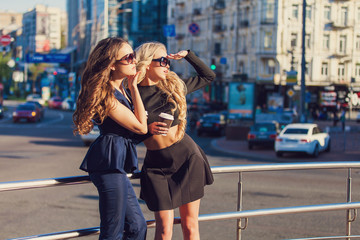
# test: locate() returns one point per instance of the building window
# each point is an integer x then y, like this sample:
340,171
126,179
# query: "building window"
307,40
341,70
268,10
293,40
268,40
326,41
342,44
253,40
324,69
217,49
357,43
253,70
270,66
357,70
327,13
295,11
308,12
344,15
358,14
307,70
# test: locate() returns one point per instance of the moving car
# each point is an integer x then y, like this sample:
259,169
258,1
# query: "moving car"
35,98
55,102
27,111
91,136
68,104
302,137
211,123
1,111
263,134
41,107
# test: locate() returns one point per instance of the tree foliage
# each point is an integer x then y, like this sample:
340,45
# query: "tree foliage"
5,70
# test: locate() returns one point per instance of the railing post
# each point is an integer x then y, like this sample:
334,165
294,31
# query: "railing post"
239,207
348,211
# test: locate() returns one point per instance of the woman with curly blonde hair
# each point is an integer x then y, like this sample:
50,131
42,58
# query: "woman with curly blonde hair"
120,115
175,168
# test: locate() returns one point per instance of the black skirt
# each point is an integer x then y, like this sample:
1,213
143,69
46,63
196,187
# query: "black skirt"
175,175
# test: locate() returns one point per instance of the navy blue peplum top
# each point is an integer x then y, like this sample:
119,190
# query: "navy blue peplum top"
114,149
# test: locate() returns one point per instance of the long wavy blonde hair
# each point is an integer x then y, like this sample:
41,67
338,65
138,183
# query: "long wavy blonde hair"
173,86
96,94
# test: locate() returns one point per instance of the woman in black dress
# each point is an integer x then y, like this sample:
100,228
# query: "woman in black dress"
120,114
175,168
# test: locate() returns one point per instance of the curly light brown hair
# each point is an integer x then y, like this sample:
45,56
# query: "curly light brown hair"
173,86
96,93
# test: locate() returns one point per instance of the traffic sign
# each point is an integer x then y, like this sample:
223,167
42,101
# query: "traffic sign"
5,40
290,93
169,30
48,58
194,28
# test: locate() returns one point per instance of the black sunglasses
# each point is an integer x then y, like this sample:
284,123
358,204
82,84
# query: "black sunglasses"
163,61
129,58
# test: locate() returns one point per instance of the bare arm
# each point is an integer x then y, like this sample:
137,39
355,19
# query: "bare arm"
137,121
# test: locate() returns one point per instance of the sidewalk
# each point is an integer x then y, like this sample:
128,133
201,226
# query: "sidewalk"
344,147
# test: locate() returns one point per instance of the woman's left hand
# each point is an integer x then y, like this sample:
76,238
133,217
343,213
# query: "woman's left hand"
179,55
133,80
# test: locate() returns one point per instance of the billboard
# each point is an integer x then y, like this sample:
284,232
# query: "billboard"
241,100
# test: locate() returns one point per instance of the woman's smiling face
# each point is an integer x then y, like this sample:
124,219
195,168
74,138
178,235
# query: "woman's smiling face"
156,72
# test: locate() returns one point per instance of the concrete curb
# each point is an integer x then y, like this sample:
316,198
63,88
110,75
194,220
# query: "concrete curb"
215,146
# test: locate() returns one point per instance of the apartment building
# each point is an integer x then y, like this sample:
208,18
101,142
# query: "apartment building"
260,41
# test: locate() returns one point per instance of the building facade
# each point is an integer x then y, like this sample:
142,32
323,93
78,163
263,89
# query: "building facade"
41,29
260,41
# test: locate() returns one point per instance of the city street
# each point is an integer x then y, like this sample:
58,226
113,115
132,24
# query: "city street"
49,149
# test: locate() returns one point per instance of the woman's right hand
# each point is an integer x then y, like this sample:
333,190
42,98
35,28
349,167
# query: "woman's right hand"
157,128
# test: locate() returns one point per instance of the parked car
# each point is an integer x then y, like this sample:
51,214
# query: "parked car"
27,111
35,98
1,111
91,136
302,137
211,123
55,102
41,107
68,104
263,134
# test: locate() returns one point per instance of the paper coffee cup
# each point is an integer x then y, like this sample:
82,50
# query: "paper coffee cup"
166,118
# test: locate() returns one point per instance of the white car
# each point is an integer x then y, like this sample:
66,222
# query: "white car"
35,98
302,137
91,136
68,104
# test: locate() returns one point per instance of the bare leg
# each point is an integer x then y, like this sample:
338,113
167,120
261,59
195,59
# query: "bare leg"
189,214
164,224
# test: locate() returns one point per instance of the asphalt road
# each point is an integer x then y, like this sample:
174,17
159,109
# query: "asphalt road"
49,149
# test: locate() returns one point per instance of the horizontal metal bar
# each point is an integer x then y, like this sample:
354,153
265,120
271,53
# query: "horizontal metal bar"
324,238
285,166
49,182
209,217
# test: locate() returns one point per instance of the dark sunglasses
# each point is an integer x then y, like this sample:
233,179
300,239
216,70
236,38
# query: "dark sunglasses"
163,61
129,58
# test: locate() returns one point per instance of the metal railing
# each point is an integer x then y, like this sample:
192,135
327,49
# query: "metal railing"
241,215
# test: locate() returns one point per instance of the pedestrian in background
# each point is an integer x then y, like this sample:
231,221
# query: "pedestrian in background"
343,119
120,114
175,168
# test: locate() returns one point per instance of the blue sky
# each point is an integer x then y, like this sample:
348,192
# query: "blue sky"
23,5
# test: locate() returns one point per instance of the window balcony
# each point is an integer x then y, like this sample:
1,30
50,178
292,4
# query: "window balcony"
339,55
219,5
197,11
180,3
180,36
338,26
267,21
219,28
244,23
